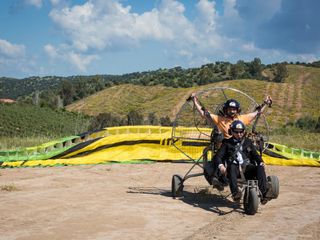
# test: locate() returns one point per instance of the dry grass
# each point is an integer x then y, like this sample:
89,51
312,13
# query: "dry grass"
9,188
7,143
297,138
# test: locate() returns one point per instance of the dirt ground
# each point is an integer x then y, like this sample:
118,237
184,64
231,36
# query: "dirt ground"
133,201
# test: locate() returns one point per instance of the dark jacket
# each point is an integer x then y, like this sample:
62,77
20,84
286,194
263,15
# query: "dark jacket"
227,152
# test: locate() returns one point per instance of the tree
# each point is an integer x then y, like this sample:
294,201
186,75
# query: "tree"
104,120
80,89
48,99
205,76
67,92
255,68
165,121
237,70
152,119
134,118
281,72
185,82
97,83
317,127
224,67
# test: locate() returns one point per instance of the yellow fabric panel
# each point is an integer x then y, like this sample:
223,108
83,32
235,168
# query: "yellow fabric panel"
122,134
113,139
140,152
158,148
290,162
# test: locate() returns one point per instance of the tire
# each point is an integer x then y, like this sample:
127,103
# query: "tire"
251,202
275,186
176,186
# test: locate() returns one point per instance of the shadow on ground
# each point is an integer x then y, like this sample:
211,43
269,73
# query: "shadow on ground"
202,198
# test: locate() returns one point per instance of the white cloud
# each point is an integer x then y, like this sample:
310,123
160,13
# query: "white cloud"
13,59
11,50
103,25
65,53
81,61
248,47
36,3
108,25
51,51
98,26
207,15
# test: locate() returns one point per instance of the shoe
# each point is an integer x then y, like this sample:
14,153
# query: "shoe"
268,193
237,196
264,200
224,180
267,196
217,184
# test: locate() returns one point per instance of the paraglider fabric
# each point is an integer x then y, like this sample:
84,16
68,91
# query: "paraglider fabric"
135,144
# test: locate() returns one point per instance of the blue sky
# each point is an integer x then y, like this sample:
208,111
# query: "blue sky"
86,37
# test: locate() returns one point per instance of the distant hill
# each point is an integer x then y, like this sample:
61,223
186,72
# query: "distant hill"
296,97
70,89
15,88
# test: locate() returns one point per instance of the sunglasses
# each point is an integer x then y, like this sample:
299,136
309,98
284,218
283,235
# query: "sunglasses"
237,132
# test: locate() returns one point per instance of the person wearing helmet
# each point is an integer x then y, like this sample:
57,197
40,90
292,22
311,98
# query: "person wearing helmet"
238,154
231,111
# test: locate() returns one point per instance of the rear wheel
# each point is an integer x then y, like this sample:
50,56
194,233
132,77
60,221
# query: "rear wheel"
176,186
275,186
250,201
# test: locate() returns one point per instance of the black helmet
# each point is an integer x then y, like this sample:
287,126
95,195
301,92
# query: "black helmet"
231,103
237,126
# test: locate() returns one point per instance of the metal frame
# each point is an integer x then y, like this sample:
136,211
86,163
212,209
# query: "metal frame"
196,162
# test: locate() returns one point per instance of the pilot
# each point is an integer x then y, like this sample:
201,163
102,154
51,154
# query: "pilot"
231,111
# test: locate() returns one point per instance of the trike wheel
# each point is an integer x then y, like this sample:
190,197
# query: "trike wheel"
275,186
250,201
176,186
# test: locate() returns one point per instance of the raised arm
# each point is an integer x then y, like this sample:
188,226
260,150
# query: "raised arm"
197,104
260,109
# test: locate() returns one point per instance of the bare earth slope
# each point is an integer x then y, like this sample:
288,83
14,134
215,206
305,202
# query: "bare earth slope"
132,201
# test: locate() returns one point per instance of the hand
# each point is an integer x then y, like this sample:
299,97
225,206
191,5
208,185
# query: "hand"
268,101
192,97
223,169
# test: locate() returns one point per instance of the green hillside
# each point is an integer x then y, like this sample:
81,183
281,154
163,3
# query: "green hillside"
23,120
297,97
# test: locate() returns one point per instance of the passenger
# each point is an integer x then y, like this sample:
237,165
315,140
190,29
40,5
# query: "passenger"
231,111
239,154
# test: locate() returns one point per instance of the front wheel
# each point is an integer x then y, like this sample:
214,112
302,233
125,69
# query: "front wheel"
176,186
250,201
